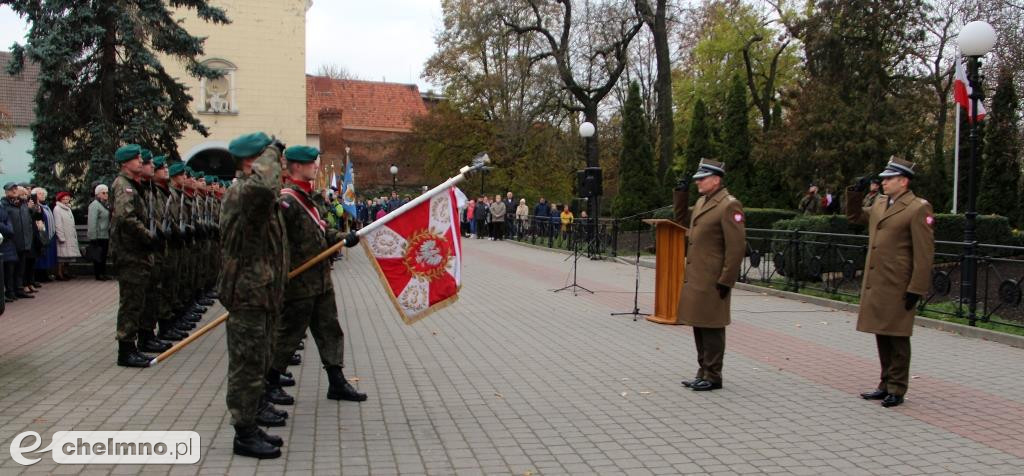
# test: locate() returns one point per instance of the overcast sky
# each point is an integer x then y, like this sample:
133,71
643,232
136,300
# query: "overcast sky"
379,40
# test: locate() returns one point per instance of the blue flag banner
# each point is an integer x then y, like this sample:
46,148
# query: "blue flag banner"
348,191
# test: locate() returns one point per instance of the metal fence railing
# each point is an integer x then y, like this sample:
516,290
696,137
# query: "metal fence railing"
829,263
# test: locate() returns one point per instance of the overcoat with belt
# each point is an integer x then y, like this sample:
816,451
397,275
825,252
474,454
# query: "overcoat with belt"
901,250
717,244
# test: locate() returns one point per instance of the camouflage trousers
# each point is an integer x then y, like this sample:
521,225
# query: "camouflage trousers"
250,343
158,294
319,314
133,277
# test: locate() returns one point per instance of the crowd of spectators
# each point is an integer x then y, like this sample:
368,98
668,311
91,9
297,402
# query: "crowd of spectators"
38,238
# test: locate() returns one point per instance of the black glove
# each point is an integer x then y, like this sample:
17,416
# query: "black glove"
910,300
683,185
723,290
280,145
351,239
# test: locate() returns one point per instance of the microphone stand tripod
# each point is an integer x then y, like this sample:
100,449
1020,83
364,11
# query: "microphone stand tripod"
636,282
575,266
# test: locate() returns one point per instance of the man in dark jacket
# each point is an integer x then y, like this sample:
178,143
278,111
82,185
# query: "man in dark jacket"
540,216
22,236
8,254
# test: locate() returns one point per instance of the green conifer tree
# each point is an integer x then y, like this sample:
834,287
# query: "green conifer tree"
999,189
101,83
637,173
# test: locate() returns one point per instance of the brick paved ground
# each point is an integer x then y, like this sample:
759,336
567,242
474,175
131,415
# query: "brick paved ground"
515,379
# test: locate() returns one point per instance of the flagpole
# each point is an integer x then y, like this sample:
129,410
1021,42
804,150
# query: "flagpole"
478,163
956,159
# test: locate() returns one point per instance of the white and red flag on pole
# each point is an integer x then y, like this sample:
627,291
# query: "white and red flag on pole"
418,255
962,91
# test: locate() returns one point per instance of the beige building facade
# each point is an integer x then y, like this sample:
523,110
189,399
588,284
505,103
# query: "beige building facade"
263,55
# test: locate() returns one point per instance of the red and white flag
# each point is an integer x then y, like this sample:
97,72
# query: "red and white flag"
418,255
962,92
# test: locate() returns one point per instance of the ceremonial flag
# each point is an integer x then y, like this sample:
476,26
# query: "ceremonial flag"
348,191
418,255
962,92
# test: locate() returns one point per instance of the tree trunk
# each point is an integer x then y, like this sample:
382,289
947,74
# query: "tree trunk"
663,87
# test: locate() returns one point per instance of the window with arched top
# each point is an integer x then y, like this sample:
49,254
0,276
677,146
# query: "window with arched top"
217,96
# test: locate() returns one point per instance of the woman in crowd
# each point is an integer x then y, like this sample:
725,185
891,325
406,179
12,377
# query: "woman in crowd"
67,235
99,232
566,219
522,217
47,260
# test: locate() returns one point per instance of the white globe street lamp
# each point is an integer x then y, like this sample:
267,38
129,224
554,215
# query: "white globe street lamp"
587,130
976,38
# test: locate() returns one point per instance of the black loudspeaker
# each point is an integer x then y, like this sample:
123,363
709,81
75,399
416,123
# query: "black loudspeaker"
588,182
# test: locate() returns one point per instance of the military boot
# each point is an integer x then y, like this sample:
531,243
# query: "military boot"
339,388
272,439
286,381
128,355
149,342
249,442
295,360
266,415
168,332
199,309
205,301
276,394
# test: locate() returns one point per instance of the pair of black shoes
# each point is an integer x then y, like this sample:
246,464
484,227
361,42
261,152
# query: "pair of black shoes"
128,355
252,441
888,399
149,343
701,385
268,415
274,393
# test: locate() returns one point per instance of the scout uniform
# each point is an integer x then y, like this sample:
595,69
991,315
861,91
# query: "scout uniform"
717,242
897,273
130,243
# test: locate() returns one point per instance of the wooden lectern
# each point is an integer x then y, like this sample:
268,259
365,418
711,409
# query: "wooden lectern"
670,267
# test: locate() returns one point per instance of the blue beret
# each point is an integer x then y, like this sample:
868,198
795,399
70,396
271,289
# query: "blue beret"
210,179
127,152
249,145
303,154
176,168
198,174
147,156
159,161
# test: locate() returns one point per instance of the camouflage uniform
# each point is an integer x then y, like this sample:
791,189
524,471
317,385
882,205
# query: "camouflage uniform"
252,280
155,309
130,244
309,297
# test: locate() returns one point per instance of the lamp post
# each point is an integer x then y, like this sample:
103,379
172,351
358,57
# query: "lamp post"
976,39
394,177
592,173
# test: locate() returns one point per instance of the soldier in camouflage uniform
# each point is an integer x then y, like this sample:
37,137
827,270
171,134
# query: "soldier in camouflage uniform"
178,242
253,274
130,244
164,262
309,297
147,330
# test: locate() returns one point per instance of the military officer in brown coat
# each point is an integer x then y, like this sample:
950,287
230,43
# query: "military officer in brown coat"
897,273
717,241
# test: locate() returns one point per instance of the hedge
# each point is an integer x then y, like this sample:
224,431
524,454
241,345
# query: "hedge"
991,229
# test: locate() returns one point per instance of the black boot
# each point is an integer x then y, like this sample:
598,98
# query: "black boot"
267,415
339,388
149,343
295,360
198,309
168,332
302,345
129,356
249,442
205,302
286,381
272,439
287,373
276,394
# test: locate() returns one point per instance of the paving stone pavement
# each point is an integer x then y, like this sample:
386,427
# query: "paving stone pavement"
516,379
